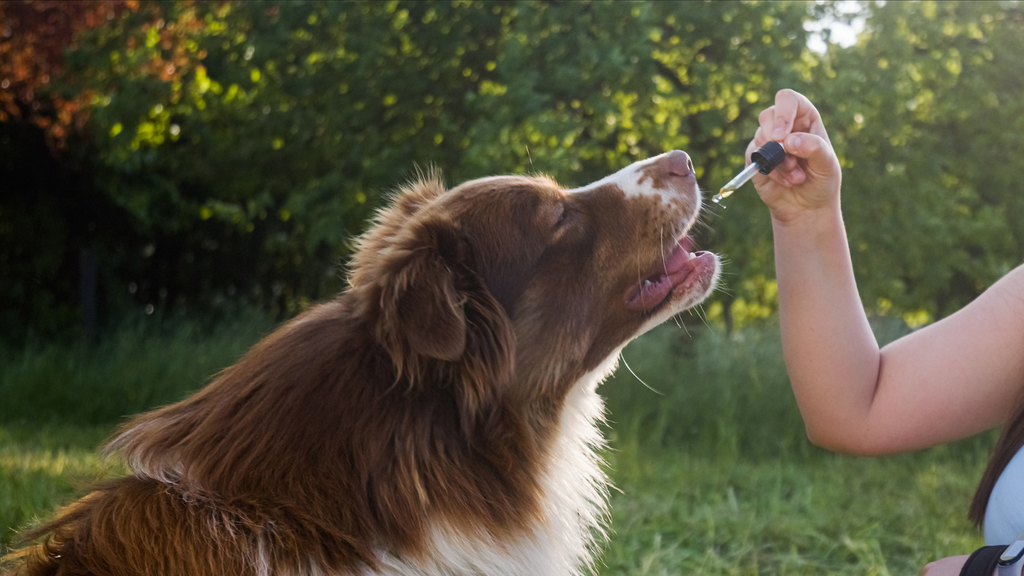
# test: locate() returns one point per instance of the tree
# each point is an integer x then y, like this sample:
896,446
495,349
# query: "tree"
39,112
32,67
240,147
233,150
926,114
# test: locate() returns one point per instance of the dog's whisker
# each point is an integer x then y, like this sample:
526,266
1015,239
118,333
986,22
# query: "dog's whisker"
702,314
646,385
681,324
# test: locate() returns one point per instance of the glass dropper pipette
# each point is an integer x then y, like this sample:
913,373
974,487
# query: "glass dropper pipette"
763,160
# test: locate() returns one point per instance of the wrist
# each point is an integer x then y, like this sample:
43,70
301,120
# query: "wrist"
809,222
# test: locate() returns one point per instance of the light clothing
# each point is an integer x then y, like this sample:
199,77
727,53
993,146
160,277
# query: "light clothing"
1004,514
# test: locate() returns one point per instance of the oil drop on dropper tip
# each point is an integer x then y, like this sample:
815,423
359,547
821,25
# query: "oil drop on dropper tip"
763,160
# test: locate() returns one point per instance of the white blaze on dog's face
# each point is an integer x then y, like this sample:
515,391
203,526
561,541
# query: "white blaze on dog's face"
578,272
684,278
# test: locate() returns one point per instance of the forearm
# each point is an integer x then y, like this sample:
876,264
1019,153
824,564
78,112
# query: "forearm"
953,378
831,354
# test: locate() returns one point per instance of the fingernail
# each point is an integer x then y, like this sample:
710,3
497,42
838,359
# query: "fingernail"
779,133
794,141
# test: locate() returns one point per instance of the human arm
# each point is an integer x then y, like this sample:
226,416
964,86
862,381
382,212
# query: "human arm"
956,377
949,566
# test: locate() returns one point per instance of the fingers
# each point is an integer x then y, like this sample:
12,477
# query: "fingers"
766,124
789,173
781,123
810,175
807,156
807,146
786,110
796,123
792,112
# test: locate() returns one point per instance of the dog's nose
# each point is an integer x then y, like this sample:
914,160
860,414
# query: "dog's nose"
677,163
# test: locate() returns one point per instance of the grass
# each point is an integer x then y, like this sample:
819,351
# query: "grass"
43,468
676,513
712,471
715,474
147,363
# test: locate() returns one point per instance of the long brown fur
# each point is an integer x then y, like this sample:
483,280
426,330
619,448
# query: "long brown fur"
425,395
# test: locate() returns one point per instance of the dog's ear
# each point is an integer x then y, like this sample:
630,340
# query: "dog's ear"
436,309
428,304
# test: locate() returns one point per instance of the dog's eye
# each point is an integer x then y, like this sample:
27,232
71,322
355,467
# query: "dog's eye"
567,215
562,217
566,222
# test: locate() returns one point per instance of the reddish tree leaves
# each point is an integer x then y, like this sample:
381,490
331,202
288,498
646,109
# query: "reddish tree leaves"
34,35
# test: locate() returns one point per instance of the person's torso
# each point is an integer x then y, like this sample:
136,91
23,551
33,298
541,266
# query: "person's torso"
1004,515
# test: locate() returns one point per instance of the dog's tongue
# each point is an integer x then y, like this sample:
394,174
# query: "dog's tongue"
679,256
654,289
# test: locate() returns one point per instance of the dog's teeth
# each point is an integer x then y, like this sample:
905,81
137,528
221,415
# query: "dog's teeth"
647,282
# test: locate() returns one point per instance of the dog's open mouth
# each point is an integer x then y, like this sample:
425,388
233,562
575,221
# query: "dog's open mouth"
680,270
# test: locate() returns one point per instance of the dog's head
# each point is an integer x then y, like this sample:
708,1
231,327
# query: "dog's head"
521,286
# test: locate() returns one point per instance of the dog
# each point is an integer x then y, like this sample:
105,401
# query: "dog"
440,416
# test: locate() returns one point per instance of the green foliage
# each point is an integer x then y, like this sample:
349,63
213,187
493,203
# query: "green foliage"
926,113
235,149
245,172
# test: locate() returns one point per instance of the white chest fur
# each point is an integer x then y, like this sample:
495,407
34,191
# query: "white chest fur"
574,506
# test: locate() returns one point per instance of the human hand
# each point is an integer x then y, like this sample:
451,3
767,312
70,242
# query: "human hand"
809,178
950,566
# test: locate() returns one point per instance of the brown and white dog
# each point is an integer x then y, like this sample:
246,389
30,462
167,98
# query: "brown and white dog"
438,417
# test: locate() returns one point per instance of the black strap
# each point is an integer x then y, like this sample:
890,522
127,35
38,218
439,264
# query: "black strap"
983,561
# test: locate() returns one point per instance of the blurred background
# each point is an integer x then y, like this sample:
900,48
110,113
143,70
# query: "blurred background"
176,178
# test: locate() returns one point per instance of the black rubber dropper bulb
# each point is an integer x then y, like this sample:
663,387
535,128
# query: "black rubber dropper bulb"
763,160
